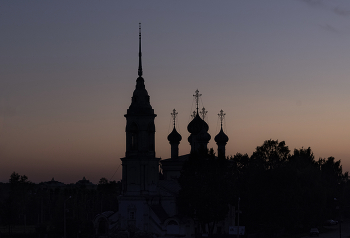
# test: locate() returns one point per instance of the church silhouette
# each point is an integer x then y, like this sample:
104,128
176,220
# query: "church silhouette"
148,202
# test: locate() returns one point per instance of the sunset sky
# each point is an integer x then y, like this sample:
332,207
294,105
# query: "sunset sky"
279,69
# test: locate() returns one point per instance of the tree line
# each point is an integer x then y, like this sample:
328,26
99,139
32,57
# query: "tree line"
279,191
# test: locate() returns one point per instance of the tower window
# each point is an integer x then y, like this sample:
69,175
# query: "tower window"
134,141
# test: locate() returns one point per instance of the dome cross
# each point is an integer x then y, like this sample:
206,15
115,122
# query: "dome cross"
197,95
174,115
203,113
193,114
221,116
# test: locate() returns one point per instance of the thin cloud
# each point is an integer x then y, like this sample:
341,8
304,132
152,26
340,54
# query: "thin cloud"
341,12
321,4
313,3
329,7
329,28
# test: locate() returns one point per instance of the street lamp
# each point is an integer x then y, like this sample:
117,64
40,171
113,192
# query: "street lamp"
64,217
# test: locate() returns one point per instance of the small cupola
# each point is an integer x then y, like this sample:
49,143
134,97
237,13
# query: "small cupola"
221,138
174,138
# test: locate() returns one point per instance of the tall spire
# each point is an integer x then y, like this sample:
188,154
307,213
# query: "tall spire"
140,54
140,103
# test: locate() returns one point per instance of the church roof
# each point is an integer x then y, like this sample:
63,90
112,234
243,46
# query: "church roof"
169,186
180,158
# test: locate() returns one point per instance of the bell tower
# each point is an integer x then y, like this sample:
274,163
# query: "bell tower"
140,166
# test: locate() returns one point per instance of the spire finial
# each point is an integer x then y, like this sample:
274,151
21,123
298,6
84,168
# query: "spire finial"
203,113
140,54
193,114
173,115
221,116
197,95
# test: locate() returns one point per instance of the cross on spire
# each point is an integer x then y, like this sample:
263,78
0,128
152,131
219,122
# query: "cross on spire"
197,95
173,115
140,54
203,113
221,116
193,114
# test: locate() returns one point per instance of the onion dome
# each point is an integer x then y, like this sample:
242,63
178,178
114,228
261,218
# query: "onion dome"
221,138
196,125
174,137
203,136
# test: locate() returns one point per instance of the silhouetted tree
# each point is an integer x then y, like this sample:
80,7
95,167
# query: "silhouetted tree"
271,154
306,191
263,185
334,184
102,181
16,205
108,194
280,191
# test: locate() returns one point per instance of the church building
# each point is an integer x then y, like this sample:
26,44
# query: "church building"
148,201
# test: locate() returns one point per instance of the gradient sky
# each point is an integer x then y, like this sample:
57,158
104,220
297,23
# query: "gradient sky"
279,70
